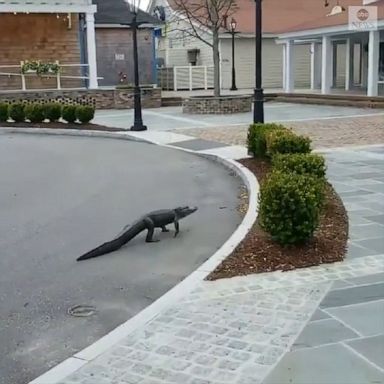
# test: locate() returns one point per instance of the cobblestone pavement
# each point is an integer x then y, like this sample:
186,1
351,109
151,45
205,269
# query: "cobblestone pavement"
325,133
282,327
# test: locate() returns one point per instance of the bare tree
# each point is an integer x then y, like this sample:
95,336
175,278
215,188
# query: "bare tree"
206,16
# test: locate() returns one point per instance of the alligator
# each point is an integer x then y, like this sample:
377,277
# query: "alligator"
150,221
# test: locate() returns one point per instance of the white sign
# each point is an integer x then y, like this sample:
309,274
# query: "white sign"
362,18
119,56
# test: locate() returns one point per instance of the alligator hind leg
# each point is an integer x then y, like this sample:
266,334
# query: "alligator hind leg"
151,230
164,229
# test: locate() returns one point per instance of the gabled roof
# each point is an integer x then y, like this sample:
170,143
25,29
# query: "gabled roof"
280,16
117,12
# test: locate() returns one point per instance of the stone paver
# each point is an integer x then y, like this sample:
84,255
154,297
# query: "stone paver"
326,133
266,328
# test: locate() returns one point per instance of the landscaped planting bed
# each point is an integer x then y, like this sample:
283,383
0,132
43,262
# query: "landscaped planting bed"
302,221
51,115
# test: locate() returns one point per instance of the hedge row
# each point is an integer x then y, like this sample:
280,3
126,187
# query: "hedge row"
53,112
292,196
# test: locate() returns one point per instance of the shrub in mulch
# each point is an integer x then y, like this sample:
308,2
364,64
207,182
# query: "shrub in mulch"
16,112
300,163
4,116
34,113
38,112
286,142
289,206
256,138
69,113
85,113
302,221
52,111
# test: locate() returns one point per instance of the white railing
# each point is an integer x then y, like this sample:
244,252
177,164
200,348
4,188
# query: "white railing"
16,71
192,77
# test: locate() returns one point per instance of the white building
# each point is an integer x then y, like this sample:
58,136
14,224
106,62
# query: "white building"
293,35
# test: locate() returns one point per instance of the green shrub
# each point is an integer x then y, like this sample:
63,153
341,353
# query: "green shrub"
69,113
85,113
16,112
34,113
256,140
52,111
3,112
290,206
286,142
300,163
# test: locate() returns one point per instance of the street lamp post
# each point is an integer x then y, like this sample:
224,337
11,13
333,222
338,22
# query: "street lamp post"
233,33
258,108
138,120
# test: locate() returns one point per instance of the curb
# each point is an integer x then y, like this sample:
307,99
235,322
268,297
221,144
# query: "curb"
72,364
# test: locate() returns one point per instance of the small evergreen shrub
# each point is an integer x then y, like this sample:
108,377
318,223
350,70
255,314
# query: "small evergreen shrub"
300,163
34,113
52,111
286,142
69,113
290,205
256,139
3,112
85,113
16,112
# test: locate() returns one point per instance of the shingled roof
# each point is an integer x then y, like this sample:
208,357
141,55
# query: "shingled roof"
117,12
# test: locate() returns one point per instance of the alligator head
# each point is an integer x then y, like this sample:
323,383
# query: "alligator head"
184,211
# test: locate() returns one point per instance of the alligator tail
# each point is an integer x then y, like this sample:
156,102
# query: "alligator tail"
103,249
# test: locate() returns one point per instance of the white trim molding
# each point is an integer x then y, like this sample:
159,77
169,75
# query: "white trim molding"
47,8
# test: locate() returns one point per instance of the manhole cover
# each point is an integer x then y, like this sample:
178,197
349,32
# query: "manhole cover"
82,310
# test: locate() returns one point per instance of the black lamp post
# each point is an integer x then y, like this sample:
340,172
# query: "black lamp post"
138,122
258,108
233,33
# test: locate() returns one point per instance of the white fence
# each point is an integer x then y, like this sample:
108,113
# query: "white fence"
63,74
192,77
185,77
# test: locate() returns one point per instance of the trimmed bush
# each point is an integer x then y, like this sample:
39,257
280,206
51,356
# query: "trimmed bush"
52,111
34,113
16,112
290,206
69,113
3,112
286,142
300,163
85,113
256,140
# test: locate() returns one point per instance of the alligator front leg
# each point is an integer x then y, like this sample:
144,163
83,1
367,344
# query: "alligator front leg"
176,227
164,229
151,229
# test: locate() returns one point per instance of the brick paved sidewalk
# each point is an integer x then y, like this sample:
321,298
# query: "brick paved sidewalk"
325,133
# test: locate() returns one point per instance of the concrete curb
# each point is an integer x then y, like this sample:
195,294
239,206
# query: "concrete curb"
81,358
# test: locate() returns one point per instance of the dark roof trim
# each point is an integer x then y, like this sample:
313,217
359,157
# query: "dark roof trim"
117,12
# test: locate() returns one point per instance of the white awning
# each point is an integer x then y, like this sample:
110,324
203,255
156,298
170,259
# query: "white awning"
47,6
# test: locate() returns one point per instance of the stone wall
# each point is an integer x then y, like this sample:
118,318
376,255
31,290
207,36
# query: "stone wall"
42,37
101,98
217,105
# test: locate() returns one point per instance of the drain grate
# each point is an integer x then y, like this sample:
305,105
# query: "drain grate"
81,310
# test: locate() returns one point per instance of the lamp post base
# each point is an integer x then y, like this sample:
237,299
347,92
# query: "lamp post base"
233,89
258,107
138,127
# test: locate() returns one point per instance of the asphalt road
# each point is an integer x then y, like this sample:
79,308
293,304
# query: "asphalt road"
62,196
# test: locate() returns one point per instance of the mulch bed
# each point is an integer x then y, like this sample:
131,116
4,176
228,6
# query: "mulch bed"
59,125
258,253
